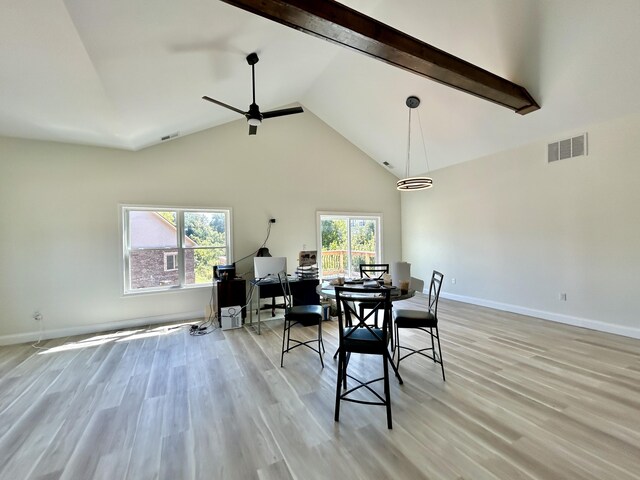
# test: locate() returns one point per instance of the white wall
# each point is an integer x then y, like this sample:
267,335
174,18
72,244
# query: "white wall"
515,232
60,246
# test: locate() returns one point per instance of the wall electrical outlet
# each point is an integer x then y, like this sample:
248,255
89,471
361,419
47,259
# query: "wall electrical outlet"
562,296
453,281
37,316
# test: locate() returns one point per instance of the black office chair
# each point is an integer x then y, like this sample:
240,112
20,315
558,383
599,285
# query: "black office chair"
427,321
372,271
306,315
272,306
357,336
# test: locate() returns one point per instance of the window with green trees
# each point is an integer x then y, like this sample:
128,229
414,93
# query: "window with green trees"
173,247
348,241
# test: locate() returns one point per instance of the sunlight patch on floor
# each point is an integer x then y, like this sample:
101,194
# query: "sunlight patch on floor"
119,336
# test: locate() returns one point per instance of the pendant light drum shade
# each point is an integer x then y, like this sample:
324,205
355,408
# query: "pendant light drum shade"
414,183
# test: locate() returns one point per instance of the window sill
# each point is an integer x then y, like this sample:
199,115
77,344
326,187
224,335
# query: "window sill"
160,290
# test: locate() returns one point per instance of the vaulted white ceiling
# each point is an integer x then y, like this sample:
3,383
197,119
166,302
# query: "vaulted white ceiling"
124,73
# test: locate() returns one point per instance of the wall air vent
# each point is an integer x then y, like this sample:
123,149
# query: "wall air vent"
170,136
568,148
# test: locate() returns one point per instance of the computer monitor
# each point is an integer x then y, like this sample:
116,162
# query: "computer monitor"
224,272
269,267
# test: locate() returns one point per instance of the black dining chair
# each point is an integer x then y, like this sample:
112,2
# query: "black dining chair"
306,315
372,271
426,321
358,336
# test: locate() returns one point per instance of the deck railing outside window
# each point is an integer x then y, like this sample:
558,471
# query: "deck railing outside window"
335,262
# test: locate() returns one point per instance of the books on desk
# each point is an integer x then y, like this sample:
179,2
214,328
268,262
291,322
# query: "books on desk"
307,272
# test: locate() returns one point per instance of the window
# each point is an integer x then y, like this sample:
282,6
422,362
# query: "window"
347,241
170,261
167,248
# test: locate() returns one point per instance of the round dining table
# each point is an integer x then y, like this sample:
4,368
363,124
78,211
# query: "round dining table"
326,290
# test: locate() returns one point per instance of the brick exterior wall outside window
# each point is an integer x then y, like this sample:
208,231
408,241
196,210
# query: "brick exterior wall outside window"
147,269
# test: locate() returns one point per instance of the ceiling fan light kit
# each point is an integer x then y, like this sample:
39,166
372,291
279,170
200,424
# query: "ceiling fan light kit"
411,184
253,115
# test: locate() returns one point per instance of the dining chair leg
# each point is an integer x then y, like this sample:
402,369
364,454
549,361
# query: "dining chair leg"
391,330
387,394
396,345
284,334
338,386
345,364
433,346
439,354
395,369
320,344
398,348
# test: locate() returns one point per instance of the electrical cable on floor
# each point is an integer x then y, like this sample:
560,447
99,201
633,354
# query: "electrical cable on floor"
212,322
208,325
40,333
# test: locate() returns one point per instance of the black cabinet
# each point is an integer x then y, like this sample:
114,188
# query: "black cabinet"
232,293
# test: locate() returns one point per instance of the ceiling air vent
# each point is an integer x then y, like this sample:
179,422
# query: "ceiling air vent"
568,148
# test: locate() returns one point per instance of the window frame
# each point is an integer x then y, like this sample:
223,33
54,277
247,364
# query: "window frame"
180,247
320,215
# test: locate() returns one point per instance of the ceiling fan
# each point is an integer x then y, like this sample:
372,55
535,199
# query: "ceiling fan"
254,116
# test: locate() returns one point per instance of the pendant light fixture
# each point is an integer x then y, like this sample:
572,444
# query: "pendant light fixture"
410,184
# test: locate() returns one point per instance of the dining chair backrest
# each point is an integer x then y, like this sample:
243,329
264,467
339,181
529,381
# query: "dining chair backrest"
373,270
434,291
351,317
286,291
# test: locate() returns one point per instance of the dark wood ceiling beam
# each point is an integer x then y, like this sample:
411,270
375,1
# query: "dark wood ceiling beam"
344,26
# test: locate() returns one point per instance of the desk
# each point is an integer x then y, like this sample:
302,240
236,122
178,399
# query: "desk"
303,292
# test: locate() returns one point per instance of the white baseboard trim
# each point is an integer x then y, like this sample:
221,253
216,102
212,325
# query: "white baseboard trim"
554,317
97,327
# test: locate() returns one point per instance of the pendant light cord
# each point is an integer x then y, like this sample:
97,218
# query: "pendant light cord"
424,147
408,146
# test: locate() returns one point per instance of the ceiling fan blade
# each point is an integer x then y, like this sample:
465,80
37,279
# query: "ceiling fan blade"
284,111
253,129
209,99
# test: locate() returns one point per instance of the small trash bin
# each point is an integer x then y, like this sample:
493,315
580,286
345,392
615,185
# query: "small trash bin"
326,311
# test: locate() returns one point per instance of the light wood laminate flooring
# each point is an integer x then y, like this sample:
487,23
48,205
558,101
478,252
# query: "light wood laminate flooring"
524,399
